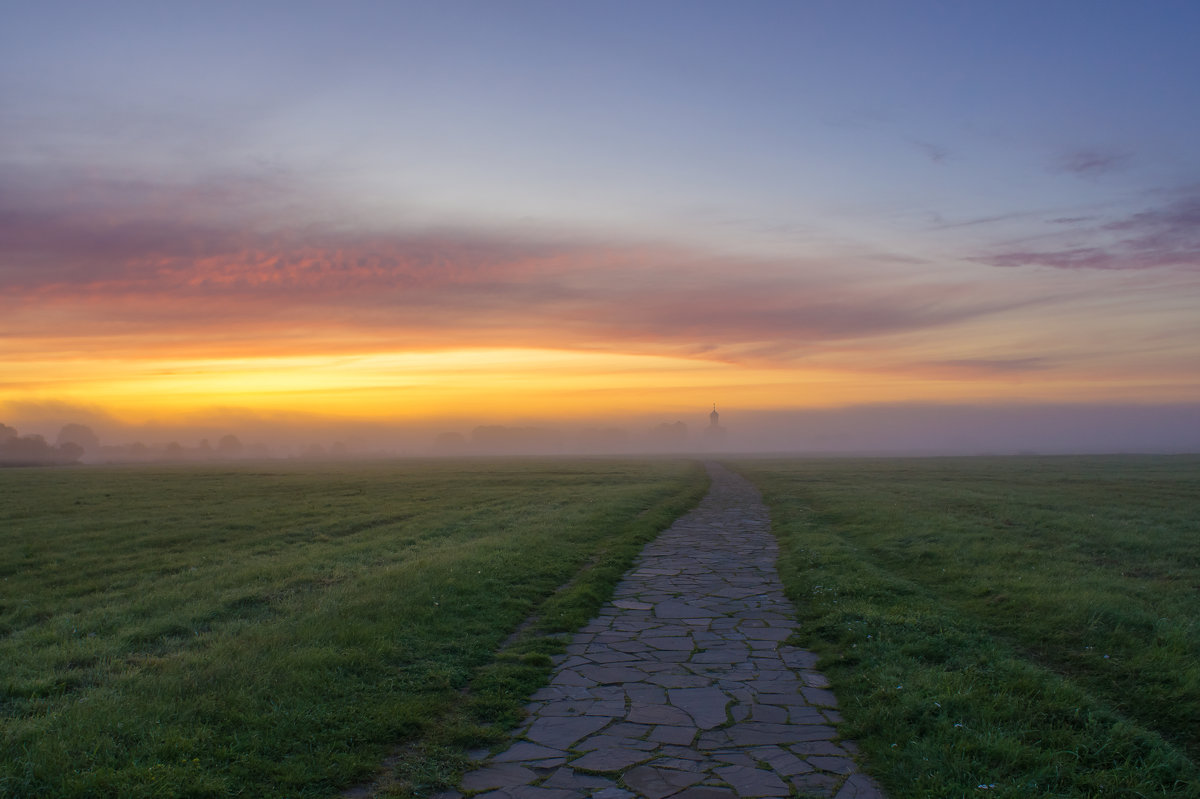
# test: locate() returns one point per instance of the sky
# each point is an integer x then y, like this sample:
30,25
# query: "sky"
441,214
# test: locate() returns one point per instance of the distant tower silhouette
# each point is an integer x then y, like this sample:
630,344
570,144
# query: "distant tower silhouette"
714,436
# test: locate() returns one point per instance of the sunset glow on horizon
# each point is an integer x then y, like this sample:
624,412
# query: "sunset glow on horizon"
586,213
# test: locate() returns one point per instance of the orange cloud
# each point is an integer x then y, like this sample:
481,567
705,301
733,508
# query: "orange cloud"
146,298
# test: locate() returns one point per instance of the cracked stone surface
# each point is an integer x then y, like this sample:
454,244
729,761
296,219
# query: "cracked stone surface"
682,686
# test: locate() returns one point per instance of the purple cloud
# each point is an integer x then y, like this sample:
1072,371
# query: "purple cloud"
1091,163
993,365
1167,236
1071,220
934,152
1175,227
941,224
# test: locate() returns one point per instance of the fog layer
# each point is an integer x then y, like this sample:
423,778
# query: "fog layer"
910,429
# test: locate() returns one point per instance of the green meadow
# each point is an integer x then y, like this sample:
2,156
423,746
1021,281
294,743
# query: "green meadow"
993,627
282,631
1003,627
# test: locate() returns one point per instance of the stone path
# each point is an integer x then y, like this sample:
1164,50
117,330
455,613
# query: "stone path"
682,687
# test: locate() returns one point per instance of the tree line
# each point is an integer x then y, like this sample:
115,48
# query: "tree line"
34,450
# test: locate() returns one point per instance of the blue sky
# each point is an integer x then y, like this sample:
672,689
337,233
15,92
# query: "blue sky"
653,116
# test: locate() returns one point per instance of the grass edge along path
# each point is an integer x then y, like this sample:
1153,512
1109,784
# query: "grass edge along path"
940,704
493,701
276,630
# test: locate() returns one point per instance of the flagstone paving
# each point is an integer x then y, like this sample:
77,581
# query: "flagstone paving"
682,686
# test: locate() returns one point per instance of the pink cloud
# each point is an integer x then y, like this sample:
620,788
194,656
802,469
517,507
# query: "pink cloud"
156,260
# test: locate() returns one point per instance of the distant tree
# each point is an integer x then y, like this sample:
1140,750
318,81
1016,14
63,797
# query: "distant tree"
24,450
7,433
603,439
676,432
516,440
174,450
79,434
32,444
229,446
455,443
69,452
32,450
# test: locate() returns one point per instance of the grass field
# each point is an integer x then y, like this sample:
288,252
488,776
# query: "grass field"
994,627
1003,627
279,630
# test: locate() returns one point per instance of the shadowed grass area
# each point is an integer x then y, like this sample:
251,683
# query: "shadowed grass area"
1004,627
277,630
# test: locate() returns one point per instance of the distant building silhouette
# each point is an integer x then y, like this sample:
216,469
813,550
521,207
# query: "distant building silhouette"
669,437
714,434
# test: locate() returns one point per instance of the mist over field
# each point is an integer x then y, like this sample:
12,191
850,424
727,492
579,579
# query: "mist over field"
884,429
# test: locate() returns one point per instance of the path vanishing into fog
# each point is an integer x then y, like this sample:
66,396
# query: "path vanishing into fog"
682,686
